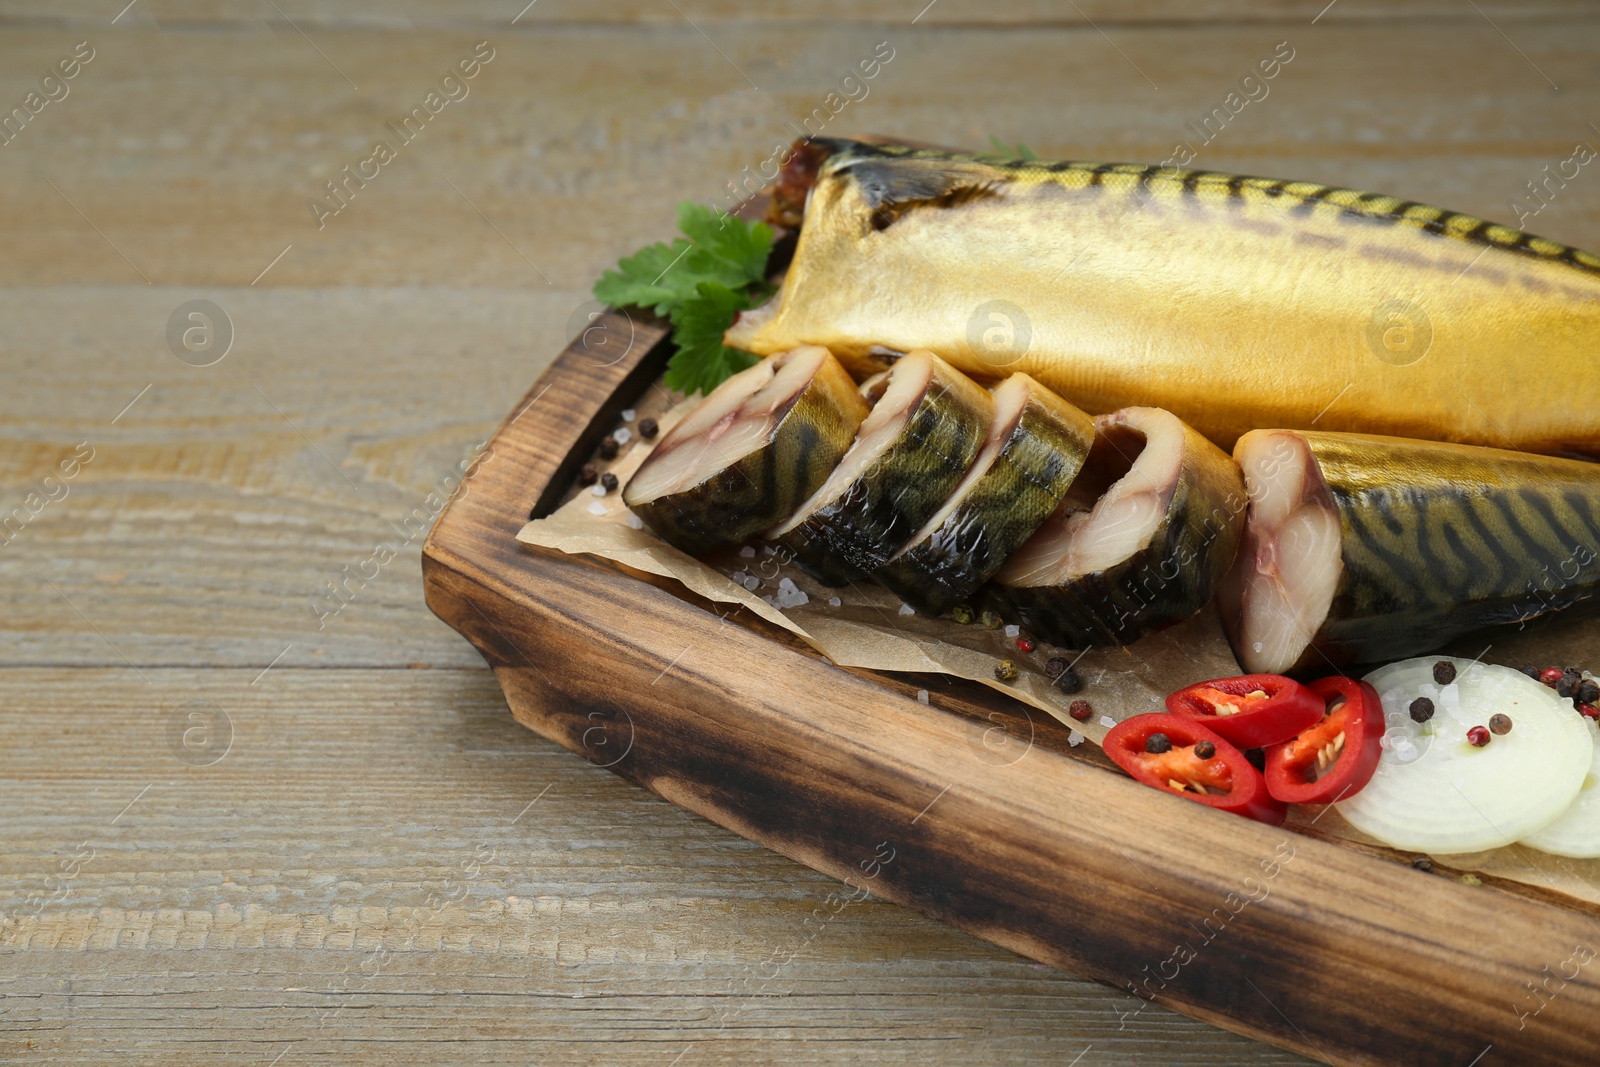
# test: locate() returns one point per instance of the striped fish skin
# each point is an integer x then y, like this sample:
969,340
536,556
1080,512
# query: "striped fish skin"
1439,540
1233,302
811,429
1026,482
1168,577
879,510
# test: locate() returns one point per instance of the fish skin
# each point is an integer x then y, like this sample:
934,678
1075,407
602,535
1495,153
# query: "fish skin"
1165,581
1439,540
1233,302
896,494
766,486
1024,485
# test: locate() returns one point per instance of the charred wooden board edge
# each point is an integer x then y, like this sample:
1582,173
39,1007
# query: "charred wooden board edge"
815,779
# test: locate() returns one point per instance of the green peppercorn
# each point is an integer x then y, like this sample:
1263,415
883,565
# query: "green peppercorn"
961,613
1006,671
989,620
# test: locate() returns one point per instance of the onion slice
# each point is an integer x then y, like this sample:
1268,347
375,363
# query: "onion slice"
1435,792
1576,831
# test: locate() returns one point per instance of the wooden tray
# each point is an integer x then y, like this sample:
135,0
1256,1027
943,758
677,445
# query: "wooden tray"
1343,954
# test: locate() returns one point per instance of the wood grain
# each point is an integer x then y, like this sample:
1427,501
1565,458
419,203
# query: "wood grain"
396,339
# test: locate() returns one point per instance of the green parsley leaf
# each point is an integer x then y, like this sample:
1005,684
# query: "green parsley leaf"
719,248
717,269
702,361
1021,151
734,244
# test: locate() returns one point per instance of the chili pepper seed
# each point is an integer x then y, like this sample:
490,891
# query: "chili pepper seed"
1204,749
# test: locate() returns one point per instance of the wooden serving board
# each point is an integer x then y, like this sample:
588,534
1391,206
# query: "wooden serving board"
1344,954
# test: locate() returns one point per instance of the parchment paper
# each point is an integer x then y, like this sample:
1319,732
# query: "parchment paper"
867,626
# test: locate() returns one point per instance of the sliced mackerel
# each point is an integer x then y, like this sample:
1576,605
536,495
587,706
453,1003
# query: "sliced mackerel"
927,423
1361,548
1037,443
1146,533
758,446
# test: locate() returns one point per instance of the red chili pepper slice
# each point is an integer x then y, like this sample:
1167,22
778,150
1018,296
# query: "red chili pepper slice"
1337,756
1224,780
1252,710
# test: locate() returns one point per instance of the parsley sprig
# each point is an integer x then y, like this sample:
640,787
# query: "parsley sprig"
700,281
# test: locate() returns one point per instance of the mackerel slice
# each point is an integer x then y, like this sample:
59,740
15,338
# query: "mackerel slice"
761,443
1037,443
1362,548
927,424
1140,543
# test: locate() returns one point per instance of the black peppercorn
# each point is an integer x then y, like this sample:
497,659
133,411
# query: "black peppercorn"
1204,749
648,429
1569,682
1588,691
608,448
1156,744
1531,671
588,474
1444,672
1421,709
609,481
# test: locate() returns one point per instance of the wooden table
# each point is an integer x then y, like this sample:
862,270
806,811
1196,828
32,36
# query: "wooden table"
247,818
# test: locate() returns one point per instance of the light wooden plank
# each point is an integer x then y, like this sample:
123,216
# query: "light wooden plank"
420,14
359,877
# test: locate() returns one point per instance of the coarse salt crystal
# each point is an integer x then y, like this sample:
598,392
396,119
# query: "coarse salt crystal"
786,585
747,552
834,601
628,414
792,598
738,577
1074,738
752,583
596,508
1012,631
635,521
1107,721
623,436
598,489
922,696
907,609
